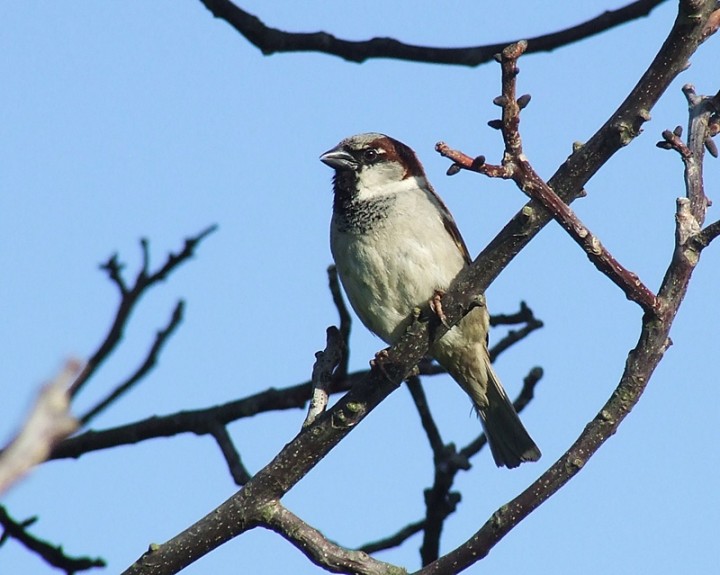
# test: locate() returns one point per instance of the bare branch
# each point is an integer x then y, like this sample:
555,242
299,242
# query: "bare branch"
711,232
320,550
246,508
51,554
394,540
428,423
688,32
271,40
325,364
516,166
48,423
345,320
514,336
201,421
129,297
238,471
151,359
524,315
197,421
642,361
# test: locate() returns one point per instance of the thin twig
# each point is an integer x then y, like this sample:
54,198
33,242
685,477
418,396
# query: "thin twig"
524,315
394,540
129,297
238,471
345,320
440,501
431,430
197,421
516,166
161,338
51,554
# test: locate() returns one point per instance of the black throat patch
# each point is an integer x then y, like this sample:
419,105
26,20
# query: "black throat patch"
354,215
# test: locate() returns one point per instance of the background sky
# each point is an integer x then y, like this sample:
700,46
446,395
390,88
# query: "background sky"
122,120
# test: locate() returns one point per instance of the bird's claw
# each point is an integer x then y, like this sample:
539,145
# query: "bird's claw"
436,307
378,362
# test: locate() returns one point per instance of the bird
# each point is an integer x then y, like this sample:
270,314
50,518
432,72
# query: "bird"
396,248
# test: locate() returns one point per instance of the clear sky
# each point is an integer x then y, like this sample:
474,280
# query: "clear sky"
122,120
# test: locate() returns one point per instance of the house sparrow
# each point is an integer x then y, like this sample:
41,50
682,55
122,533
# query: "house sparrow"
395,247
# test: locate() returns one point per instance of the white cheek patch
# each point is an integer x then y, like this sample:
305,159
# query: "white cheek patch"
384,178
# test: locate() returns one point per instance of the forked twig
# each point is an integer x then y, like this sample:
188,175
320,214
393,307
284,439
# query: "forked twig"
516,166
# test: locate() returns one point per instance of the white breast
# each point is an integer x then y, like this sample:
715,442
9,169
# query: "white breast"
398,264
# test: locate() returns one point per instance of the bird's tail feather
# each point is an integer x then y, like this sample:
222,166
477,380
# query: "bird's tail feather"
509,441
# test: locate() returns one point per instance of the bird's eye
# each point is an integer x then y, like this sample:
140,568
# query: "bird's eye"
370,155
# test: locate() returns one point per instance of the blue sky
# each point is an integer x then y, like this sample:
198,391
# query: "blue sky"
128,120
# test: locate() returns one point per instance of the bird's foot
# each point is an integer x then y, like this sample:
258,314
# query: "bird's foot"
436,307
378,362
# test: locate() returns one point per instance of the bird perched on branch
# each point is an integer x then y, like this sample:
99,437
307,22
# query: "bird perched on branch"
396,247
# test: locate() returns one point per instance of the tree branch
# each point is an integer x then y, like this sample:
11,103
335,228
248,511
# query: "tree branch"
51,554
129,297
48,423
271,40
642,360
394,540
326,362
320,550
151,359
238,471
201,421
431,430
690,29
245,509
516,166
345,320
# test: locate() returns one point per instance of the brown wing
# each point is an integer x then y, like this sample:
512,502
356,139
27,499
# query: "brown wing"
451,227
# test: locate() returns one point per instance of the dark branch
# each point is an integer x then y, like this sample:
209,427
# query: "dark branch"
320,550
238,471
439,500
690,29
151,359
394,540
524,315
514,336
129,297
428,423
198,421
345,320
271,40
709,233
51,554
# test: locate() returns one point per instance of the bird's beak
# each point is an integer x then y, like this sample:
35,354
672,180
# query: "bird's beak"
339,159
